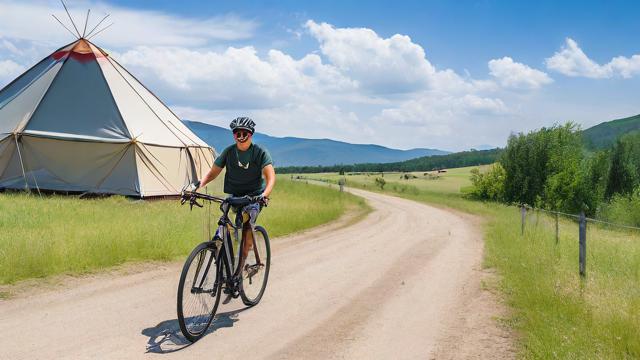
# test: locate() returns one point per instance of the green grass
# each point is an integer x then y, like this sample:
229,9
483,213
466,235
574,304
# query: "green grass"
556,315
63,234
450,182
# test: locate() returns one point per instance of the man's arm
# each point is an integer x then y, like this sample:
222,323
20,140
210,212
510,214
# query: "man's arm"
211,175
269,174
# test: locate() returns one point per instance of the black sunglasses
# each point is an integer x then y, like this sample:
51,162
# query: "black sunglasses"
241,133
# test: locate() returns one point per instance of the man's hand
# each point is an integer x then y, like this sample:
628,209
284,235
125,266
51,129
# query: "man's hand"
193,186
264,200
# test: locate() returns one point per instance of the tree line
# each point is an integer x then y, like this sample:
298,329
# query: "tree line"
551,168
425,163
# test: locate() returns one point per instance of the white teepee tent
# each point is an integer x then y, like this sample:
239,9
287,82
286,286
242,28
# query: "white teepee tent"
79,122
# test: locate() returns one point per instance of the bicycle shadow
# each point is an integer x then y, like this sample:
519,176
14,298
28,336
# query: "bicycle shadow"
166,337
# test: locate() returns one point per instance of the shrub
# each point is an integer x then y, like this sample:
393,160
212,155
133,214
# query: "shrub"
488,185
623,209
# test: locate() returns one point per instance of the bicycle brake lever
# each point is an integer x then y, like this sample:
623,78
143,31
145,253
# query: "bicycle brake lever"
192,202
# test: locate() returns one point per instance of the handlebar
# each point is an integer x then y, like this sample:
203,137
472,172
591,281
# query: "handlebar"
193,196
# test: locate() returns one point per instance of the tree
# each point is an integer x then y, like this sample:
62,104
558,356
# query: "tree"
625,166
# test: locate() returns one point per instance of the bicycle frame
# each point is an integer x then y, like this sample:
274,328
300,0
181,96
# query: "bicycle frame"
224,264
224,233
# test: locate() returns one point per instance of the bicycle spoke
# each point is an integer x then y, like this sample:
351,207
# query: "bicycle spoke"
199,295
255,269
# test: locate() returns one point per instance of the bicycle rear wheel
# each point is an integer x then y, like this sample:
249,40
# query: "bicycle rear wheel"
255,272
198,292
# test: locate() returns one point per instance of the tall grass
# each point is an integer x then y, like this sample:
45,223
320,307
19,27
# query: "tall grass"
64,234
557,314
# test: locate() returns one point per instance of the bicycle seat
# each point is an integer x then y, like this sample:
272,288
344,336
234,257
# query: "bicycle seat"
238,201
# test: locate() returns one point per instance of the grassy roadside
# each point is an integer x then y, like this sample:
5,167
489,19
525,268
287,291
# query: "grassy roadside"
555,313
61,234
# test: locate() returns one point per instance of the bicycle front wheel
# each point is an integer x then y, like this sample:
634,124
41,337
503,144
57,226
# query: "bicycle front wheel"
255,272
198,292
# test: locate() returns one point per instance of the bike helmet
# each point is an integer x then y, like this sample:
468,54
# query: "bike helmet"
244,123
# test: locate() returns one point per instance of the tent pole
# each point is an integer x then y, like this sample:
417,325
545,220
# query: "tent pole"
58,20
24,174
98,24
86,21
70,18
103,29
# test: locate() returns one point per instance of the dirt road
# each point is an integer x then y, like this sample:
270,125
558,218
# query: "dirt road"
402,283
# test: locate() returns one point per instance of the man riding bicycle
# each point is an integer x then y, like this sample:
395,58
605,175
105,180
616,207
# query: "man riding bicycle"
246,164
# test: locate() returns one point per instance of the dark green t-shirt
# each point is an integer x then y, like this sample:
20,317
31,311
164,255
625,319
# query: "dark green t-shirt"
245,177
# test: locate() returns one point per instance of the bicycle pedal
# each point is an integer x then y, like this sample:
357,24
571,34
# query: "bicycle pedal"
227,299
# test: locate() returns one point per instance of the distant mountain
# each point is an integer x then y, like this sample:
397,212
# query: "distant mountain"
292,151
605,134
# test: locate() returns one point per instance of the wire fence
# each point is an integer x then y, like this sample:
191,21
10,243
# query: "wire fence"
582,220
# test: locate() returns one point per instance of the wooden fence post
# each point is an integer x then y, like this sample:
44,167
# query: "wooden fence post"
523,211
583,244
557,230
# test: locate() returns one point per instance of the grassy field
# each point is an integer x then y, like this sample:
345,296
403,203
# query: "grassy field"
63,234
450,182
556,314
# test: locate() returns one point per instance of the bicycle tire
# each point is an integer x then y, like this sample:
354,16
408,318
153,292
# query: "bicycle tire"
193,327
249,295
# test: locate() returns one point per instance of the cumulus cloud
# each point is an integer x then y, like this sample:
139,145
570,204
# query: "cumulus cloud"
131,26
517,75
437,111
236,77
9,70
381,65
572,61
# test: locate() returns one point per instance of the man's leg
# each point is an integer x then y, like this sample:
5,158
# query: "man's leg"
247,234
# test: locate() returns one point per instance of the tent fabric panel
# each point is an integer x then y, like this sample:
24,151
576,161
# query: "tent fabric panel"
79,102
203,158
174,123
22,82
141,121
162,170
10,168
17,111
63,165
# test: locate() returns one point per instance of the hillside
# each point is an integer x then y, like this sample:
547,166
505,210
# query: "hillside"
293,151
605,134
425,163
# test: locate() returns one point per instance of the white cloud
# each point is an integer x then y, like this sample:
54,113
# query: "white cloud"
33,21
572,61
392,65
309,119
429,110
517,75
237,77
9,70
626,67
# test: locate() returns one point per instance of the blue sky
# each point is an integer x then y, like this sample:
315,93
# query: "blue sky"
445,74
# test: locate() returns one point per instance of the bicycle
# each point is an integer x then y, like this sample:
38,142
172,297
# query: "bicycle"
210,269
